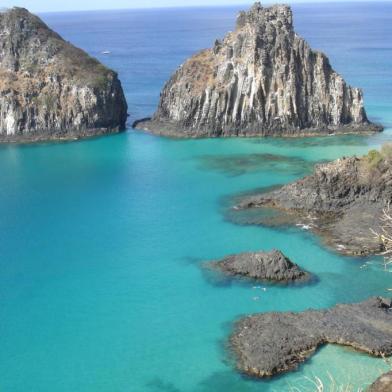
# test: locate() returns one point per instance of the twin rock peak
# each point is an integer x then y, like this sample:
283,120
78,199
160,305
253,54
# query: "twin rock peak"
262,79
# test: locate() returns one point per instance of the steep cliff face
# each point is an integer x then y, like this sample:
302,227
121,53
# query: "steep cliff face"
50,89
262,79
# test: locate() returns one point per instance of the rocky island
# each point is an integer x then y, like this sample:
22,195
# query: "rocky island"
341,201
270,343
49,89
262,79
263,266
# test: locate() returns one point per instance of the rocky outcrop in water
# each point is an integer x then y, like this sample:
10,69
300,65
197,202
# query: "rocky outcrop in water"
271,266
340,201
271,343
50,89
261,79
382,384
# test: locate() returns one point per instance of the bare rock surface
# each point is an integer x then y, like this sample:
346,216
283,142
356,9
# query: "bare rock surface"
382,384
269,266
340,201
261,79
271,343
50,89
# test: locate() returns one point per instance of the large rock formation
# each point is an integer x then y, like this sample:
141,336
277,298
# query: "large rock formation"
341,201
261,79
270,343
50,89
270,266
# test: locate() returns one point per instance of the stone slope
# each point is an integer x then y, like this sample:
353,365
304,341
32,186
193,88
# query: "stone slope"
50,89
261,79
270,343
341,201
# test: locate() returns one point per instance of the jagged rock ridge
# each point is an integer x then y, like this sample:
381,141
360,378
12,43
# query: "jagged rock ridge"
261,79
50,89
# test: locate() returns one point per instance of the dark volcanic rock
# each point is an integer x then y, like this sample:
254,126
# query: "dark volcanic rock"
341,201
50,89
382,384
273,266
271,343
261,79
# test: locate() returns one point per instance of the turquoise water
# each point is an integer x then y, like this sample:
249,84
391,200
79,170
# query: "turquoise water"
101,240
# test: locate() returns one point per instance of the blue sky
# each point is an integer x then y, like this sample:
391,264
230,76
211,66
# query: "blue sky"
55,5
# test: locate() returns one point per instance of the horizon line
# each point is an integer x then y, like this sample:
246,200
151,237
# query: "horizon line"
168,7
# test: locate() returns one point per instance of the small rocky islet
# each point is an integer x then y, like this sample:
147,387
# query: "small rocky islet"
263,79
51,90
271,266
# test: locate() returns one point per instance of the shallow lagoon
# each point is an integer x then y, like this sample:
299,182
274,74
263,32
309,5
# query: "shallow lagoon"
101,240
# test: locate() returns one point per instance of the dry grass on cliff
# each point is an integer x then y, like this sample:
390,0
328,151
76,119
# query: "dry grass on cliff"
200,70
375,157
84,68
385,236
374,166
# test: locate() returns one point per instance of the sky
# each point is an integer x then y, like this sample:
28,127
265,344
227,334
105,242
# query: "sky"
71,5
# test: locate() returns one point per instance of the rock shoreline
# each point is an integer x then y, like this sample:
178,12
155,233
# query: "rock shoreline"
271,343
59,136
175,131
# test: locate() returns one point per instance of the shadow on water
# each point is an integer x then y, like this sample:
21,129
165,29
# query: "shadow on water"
218,381
317,141
158,384
238,164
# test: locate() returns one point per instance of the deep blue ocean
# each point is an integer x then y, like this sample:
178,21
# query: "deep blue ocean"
102,240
